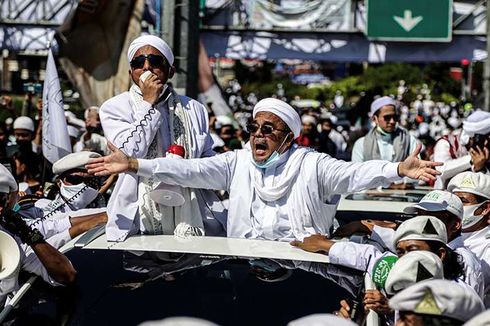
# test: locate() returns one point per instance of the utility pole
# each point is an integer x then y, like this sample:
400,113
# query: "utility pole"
486,69
180,29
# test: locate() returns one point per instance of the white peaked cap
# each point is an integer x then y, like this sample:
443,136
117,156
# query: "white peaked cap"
475,183
283,110
73,161
24,122
7,181
439,200
427,228
155,42
412,268
439,298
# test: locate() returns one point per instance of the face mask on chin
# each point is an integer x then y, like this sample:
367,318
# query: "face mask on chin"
469,217
382,131
77,196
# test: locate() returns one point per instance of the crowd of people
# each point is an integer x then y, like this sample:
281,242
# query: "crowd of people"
150,161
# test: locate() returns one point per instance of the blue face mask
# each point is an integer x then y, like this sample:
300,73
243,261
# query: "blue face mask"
275,156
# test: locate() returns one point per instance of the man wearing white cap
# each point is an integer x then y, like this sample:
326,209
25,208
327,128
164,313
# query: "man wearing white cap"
474,191
436,302
309,132
36,255
25,139
278,190
387,140
144,122
471,153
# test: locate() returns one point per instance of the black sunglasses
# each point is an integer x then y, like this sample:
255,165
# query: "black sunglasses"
153,59
264,129
387,118
76,179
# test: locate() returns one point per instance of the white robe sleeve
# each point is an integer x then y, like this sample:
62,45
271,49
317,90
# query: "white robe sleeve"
125,129
339,177
355,255
206,173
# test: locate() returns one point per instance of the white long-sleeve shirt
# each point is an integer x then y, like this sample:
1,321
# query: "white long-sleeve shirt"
269,220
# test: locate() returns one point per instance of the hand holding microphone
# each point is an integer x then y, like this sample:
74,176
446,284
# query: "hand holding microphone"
151,87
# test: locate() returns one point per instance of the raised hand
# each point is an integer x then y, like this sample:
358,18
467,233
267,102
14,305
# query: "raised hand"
415,168
117,162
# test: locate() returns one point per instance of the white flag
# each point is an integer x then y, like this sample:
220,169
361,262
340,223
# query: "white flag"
56,142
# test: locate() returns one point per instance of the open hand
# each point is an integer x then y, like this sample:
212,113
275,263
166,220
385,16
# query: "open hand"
117,162
415,168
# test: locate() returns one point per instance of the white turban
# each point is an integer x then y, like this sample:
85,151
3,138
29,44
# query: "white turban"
308,119
7,181
282,110
154,41
477,123
379,103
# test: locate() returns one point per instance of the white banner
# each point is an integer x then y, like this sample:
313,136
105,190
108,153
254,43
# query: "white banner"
56,142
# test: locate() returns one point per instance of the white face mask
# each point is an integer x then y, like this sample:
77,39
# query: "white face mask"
469,217
77,196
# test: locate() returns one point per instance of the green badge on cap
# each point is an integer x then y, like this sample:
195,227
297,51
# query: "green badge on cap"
381,270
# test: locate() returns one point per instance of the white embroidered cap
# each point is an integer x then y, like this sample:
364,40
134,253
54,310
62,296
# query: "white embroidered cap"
475,183
442,298
412,268
438,200
380,102
73,161
428,228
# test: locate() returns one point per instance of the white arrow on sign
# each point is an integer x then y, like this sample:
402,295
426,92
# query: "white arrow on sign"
408,22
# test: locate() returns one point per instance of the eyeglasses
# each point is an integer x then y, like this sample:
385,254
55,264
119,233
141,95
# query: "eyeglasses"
264,129
387,118
154,60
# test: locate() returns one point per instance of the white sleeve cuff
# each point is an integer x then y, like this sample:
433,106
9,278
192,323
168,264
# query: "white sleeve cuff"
145,168
391,170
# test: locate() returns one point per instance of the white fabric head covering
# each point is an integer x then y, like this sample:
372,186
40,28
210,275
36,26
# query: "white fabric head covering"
321,320
154,41
439,298
482,319
474,183
9,121
24,123
379,103
282,110
477,123
308,119
7,181
412,268
422,227
73,161
439,200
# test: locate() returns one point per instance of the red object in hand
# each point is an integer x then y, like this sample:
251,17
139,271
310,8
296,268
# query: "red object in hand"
177,150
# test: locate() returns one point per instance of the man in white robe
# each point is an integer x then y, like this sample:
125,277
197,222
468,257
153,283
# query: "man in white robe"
474,191
278,191
144,122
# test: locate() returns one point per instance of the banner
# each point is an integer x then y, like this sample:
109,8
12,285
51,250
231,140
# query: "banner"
56,142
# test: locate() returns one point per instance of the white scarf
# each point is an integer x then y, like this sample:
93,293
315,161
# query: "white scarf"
156,218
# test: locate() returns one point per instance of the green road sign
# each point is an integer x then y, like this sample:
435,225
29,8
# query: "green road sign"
410,20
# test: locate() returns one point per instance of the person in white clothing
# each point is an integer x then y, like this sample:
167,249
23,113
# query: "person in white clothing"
474,191
386,141
278,190
92,140
468,151
144,123
37,255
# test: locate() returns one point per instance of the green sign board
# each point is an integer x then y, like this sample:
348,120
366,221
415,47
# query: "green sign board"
409,20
